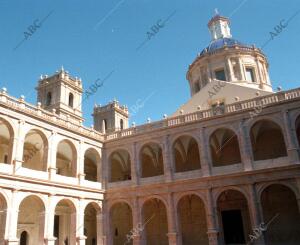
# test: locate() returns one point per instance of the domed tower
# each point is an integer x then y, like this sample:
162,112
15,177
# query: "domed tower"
228,60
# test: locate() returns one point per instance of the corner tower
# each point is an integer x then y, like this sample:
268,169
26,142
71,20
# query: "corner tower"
111,117
228,60
62,94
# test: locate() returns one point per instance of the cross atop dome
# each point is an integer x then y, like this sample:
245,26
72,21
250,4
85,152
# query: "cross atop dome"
219,26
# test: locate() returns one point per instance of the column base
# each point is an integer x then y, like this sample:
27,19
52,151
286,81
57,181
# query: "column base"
50,240
172,238
81,178
81,240
52,173
17,164
213,237
12,241
136,240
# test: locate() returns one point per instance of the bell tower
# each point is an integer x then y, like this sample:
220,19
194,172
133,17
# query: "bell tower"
62,94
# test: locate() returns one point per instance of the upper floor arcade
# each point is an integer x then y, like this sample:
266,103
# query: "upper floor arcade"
34,145
263,135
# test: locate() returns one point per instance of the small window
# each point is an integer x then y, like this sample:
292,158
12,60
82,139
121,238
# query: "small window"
23,238
71,99
250,75
220,75
48,99
104,126
121,124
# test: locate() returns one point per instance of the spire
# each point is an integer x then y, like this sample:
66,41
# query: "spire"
219,26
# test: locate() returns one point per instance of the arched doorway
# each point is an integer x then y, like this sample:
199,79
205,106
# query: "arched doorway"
279,204
224,147
24,238
155,222
90,224
234,217
120,166
120,224
267,141
192,220
91,163
186,154
35,151
31,221
6,141
65,223
66,158
151,160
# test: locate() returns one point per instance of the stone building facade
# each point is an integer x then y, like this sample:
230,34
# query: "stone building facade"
225,163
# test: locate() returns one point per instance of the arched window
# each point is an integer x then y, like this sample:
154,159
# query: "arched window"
151,160
121,124
71,99
104,125
35,151
267,141
91,161
48,98
66,159
6,141
224,147
120,166
186,154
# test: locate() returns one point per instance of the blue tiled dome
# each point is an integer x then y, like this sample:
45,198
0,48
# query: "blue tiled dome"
220,43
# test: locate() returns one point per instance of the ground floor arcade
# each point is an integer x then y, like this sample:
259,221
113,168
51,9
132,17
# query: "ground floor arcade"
261,213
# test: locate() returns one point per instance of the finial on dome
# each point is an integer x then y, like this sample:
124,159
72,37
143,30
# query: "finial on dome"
62,68
216,11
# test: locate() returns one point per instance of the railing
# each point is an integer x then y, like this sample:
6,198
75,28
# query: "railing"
204,114
22,106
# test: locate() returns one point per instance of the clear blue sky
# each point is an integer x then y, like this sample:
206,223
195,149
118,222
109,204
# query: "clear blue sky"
92,38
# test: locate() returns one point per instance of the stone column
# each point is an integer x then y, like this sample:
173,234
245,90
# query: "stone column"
105,169
135,168
100,226
259,73
12,225
172,221
204,154
80,163
292,149
242,71
52,156
107,239
255,214
137,222
18,157
80,237
245,147
229,69
49,224
212,229
167,159
209,75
